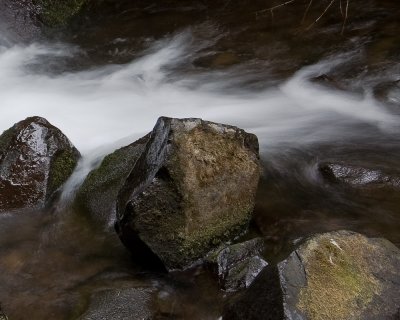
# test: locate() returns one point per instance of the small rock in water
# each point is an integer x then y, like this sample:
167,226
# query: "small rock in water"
193,188
36,158
357,176
336,275
237,265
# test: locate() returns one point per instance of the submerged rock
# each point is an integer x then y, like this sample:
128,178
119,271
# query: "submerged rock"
193,188
336,275
36,158
98,193
237,265
120,304
358,176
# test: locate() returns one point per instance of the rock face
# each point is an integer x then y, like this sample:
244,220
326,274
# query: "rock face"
120,304
98,193
36,158
55,13
192,188
358,176
336,275
237,265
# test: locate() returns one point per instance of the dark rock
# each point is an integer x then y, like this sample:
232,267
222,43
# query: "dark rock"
192,188
336,275
36,158
237,265
358,176
98,193
388,92
261,301
120,304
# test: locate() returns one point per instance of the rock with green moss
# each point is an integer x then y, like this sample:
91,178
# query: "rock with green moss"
36,158
97,195
193,188
237,265
337,275
57,12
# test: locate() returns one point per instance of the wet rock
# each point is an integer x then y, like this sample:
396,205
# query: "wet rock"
36,158
192,188
120,304
261,301
336,275
237,265
358,176
98,193
388,92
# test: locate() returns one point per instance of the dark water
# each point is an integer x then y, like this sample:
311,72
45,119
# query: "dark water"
311,92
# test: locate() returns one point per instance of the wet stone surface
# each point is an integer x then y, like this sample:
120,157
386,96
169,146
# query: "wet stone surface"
36,158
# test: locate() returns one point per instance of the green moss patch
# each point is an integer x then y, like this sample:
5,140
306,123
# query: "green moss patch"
61,169
340,284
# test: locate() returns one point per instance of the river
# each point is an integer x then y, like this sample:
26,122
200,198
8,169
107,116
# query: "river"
311,91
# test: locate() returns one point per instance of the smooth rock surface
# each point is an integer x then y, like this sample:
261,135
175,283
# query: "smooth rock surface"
193,188
237,265
36,158
98,193
358,176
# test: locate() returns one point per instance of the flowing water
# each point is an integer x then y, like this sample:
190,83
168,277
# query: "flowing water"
311,93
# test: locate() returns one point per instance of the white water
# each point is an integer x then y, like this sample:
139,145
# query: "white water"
99,107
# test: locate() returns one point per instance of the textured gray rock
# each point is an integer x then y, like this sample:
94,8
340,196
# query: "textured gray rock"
237,265
336,275
36,158
120,304
358,176
98,193
193,188
341,275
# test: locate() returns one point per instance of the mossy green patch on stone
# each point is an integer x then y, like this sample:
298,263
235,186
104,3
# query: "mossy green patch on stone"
340,283
61,168
58,12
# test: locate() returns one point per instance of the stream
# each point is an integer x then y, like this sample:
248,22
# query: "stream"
311,92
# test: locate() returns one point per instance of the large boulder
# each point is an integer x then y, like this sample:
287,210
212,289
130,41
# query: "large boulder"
193,187
98,193
36,158
336,275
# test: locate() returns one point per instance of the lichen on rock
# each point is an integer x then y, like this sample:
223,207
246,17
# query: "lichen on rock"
57,12
193,187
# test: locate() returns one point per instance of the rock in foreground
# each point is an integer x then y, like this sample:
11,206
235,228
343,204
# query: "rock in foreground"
336,275
36,158
193,187
237,265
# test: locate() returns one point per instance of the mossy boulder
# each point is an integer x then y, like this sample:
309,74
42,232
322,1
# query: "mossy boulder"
36,158
55,13
193,188
337,275
97,196
237,265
